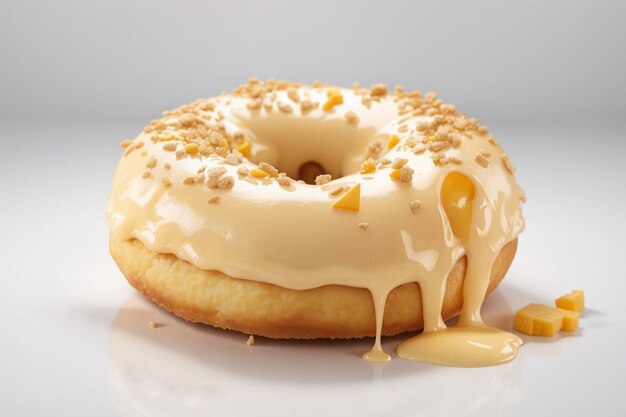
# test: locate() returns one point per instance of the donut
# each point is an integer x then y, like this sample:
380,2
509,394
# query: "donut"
294,211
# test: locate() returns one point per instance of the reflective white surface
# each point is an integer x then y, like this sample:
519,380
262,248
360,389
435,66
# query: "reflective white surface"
75,338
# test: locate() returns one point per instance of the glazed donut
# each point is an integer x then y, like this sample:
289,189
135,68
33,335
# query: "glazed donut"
294,211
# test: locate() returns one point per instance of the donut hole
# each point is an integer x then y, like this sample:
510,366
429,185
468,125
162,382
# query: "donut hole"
305,147
309,170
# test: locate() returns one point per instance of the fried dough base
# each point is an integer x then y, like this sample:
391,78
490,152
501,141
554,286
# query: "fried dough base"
252,307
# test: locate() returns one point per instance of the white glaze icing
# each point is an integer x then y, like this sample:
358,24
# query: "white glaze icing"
291,236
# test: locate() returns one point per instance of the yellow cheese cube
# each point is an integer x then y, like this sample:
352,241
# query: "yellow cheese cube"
538,320
393,141
333,100
395,174
192,148
574,301
350,200
245,148
570,319
258,173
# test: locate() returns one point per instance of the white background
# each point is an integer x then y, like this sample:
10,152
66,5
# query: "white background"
76,77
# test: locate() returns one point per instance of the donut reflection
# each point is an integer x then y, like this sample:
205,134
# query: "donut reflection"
181,369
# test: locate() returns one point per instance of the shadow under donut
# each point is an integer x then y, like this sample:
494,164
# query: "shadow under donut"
183,369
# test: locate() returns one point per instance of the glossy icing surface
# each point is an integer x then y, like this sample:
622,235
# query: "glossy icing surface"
286,232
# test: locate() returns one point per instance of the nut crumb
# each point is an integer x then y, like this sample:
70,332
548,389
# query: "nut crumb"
214,200
508,164
152,324
481,160
269,169
364,226
305,105
351,117
167,183
284,107
125,143
226,183
234,158
338,190
323,179
284,180
180,153
250,340
398,163
292,93
379,90
243,171
406,174
455,160
216,172
170,146
415,206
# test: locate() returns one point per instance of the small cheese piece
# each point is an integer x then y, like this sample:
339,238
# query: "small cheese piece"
258,173
192,148
395,174
368,166
350,200
570,319
542,320
538,320
393,141
574,301
334,99
244,148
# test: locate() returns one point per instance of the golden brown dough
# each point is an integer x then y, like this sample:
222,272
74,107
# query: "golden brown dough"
251,307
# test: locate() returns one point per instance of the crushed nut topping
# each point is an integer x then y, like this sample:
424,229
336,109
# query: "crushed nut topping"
226,183
166,182
481,160
415,206
234,158
323,179
378,90
126,143
284,180
351,117
199,129
269,169
398,163
406,174
507,163
243,171
338,190
284,107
